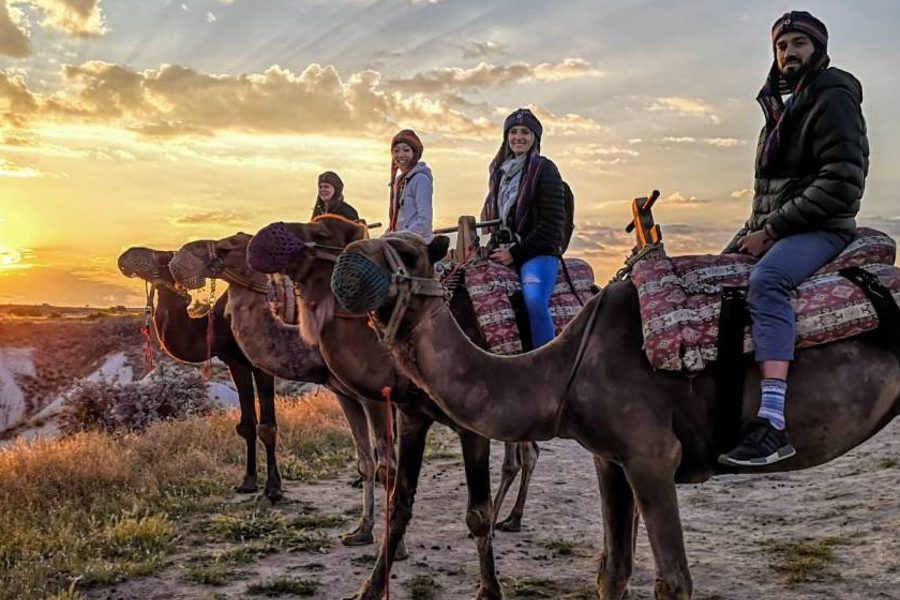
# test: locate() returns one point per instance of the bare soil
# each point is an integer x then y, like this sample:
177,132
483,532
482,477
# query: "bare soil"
828,532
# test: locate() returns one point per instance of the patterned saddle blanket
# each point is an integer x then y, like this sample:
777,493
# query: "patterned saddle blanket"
491,285
680,300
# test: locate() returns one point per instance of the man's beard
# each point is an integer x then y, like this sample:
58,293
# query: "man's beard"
793,77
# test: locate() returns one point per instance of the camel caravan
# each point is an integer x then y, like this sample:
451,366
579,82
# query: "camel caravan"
780,353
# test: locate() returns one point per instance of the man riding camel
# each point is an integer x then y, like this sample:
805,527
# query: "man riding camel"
811,165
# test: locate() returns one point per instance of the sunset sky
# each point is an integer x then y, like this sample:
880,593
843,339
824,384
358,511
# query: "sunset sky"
156,122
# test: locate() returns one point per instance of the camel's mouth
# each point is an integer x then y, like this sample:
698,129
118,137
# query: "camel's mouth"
139,262
359,283
188,271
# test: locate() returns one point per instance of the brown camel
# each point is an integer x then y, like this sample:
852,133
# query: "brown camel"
184,339
647,430
277,349
353,353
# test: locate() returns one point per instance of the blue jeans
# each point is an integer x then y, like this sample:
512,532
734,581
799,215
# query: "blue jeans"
787,263
538,276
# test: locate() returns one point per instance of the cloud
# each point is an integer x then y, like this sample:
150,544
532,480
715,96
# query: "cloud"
676,198
212,217
685,107
13,37
210,18
718,141
483,50
174,101
12,170
742,193
487,75
74,17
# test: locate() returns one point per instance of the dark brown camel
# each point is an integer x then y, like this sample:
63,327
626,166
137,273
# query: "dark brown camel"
276,348
184,339
647,430
353,353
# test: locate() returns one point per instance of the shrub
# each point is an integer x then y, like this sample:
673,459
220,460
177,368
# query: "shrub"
172,393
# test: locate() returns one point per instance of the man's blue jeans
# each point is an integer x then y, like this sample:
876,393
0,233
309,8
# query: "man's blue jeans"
787,263
538,277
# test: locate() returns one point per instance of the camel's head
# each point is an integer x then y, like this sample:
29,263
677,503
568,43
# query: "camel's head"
198,261
148,264
373,275
305,252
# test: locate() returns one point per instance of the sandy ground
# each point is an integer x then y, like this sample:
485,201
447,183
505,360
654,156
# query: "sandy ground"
731,525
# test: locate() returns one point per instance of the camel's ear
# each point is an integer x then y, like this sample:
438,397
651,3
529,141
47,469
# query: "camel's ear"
232,243
438,247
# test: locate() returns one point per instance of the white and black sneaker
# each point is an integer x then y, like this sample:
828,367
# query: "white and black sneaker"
762,445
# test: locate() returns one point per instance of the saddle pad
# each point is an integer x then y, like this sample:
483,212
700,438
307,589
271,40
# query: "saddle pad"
680,300
490,286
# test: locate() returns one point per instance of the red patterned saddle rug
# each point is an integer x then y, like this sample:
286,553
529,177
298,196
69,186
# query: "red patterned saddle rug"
680,300
490,286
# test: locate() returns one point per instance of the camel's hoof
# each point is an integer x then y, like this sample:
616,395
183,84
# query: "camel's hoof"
364,594
614,592
274,494
247,487
488,594
358,537
401,553
510,525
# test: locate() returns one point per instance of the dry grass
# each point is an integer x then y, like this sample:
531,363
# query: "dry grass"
97,508
806,560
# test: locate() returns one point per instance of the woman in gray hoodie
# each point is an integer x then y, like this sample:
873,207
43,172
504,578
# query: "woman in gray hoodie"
412,186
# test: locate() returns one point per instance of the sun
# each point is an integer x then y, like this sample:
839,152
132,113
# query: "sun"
8,256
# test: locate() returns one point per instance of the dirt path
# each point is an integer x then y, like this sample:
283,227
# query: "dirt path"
747,537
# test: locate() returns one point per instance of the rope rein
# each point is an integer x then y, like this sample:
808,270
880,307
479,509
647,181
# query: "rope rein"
149,290
206,371
386,393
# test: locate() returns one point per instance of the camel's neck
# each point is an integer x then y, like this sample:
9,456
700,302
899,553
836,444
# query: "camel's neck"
267,342
181,336
510,398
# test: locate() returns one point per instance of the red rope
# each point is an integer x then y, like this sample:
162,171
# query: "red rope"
206,371
145,330
148,349
388,491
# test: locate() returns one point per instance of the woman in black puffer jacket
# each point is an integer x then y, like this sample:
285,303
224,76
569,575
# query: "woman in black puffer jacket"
526,194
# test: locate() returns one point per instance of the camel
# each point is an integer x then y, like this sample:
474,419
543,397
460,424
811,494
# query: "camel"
353,353
276,348
647,430
184,339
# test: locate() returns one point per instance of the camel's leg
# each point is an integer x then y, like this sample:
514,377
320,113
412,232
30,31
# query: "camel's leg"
528,456
413,429
384,455
365,464
242,376
479,514
268,432
619,530
652,479
508,472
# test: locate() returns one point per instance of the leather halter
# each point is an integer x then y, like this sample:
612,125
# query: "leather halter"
217,268
407,286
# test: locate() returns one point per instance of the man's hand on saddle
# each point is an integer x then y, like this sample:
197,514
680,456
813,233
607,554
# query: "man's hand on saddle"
502,256
755,244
